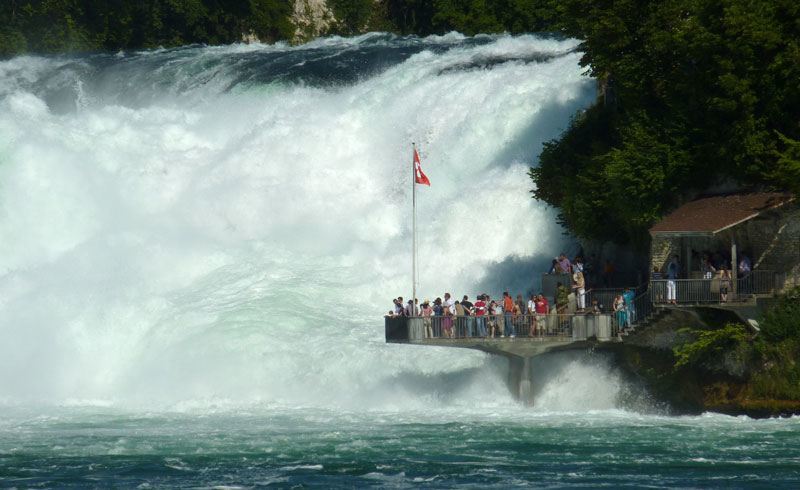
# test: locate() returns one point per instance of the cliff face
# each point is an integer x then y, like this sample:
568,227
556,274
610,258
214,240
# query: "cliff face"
311,19
729,375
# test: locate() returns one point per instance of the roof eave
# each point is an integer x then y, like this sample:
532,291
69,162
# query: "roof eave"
680,234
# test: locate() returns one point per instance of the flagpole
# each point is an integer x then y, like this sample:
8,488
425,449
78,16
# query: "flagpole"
413,231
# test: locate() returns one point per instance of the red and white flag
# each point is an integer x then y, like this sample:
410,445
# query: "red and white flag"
419,176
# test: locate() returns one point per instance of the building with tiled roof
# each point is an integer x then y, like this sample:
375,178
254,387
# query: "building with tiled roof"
762,226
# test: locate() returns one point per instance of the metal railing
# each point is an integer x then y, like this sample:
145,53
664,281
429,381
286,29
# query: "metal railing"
714,290
605,296
760,282
539,326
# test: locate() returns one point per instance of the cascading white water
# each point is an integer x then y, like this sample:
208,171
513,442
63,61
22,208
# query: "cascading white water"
229,224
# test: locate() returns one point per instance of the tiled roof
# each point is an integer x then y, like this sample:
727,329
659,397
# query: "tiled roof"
713,214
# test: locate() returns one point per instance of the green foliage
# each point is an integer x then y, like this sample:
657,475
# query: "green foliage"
466,16
425,17
697,91
782,321
49,26
779,350
411,16
352,16
710,345
269,19
779,376
787,168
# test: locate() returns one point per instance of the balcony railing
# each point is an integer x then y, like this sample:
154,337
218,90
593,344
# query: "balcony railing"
697,291
553,326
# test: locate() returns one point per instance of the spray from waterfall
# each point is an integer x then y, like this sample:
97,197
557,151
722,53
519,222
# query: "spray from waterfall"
230,223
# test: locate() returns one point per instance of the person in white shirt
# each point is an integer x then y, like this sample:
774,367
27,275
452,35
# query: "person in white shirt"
449,303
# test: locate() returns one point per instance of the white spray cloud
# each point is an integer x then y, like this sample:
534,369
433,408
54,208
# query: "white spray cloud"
167,239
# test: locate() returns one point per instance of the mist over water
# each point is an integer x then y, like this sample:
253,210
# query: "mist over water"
227,224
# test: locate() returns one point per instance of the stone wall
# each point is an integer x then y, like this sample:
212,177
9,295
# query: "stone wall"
776,241
772,241
311,19
661,249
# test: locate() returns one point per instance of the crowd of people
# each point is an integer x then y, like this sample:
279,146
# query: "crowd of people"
485,317
508,315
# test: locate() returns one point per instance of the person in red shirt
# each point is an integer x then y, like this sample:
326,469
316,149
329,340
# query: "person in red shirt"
480,316
542,309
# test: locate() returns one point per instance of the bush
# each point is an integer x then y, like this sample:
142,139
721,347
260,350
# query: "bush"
782,321
711,347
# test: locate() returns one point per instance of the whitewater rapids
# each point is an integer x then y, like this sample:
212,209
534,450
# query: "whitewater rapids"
227,225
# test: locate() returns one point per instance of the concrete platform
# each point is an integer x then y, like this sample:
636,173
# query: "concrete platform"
517,347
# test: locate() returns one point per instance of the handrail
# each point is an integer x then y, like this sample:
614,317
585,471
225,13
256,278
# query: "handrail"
553,325
715,289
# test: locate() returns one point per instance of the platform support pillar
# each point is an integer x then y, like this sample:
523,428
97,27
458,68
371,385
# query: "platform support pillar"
521,379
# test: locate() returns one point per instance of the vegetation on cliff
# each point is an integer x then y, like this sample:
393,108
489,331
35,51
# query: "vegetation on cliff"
732,369
695,93
53,26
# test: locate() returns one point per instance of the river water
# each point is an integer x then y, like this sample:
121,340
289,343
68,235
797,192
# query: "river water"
197,246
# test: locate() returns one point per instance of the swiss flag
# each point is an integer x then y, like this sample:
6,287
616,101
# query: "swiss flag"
419,176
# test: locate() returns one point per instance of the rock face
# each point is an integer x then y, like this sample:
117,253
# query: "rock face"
311,18
724,382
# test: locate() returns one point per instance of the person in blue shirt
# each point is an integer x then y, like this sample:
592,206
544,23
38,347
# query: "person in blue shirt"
628,296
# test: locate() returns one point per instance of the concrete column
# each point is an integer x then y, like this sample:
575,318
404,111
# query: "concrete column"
688,244
521,379
734,267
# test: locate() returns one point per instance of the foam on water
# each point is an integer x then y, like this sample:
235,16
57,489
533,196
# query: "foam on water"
226,224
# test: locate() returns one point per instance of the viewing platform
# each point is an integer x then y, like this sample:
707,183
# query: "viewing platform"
518,338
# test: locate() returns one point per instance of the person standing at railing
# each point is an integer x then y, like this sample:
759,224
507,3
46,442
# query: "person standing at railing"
577,264
520,310
438,316
398,307
508,309
620,313
411,309
724,284
480,316
496,322
564,265
743,282
744,265
707,268
531,309
673,269
427,312
461,320
579,285
449,313
470,320
542,308
449,303
630,309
